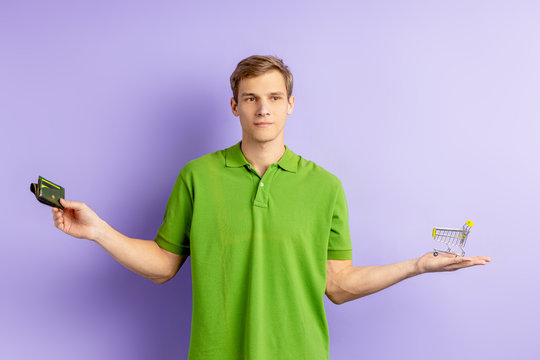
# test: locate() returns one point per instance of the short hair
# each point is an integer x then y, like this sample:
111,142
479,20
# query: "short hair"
256,65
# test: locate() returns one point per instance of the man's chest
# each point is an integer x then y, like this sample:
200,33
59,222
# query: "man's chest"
280,207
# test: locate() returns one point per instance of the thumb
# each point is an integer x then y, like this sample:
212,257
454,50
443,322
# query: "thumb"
71,204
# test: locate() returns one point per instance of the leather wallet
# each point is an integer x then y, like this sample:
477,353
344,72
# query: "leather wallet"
48,193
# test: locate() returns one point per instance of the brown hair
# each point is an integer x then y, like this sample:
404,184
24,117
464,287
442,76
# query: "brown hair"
256,65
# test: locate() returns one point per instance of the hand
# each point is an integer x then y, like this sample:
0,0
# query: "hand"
447,262
77,220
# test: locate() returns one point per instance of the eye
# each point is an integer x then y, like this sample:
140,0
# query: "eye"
276,98
249,99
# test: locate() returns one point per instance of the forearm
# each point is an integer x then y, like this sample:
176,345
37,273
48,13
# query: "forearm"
357,281
143,257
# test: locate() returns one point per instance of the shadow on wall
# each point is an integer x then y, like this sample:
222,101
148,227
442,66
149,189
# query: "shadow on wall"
183,122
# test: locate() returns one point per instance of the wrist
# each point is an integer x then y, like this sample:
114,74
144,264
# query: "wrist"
101,231
417,268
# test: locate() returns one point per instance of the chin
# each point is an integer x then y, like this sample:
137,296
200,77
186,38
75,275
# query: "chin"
263,139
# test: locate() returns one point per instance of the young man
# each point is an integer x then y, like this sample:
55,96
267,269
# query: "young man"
268,233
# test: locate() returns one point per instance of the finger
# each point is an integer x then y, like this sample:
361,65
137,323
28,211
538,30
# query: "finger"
76,205
458,263
460,260
59,225
464,264
482,258
56,210
479,262
485,258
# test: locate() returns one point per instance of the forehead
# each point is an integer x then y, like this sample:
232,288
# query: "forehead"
271,80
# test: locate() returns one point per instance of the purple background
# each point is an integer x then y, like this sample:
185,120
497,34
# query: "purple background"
427,111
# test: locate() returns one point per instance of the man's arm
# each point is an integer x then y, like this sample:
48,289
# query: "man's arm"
143,257
345,282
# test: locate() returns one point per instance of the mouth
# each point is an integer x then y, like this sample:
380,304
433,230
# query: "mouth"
263,124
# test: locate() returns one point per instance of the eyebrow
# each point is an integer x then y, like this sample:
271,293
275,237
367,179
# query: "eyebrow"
272,93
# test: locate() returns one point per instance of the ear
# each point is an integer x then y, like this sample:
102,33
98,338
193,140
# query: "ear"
290,106
234,107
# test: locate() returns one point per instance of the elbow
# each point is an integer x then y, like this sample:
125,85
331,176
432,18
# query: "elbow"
336,293
335,298
162,279
339,301
337,275
166,275
341,296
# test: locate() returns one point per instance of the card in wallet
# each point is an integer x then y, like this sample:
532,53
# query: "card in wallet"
48,193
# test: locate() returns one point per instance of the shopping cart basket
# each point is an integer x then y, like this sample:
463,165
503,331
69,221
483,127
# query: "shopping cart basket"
452,237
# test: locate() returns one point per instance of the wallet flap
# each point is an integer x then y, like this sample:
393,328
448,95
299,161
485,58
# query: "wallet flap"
48,193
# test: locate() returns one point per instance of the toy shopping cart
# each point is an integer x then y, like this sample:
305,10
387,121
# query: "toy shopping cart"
452,237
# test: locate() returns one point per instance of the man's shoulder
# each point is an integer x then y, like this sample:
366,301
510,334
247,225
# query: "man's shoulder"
205,164
312,170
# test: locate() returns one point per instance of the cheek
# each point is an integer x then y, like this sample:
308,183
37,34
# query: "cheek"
280,108
286,109
245,109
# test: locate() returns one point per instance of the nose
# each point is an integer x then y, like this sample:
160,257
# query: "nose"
263,109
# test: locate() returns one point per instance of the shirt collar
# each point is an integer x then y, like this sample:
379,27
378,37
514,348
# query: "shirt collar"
234,157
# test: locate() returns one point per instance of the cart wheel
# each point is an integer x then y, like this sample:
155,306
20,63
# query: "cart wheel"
435,253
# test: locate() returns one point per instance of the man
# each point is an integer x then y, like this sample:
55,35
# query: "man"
268,233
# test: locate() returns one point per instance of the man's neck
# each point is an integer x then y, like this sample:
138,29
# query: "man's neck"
262,154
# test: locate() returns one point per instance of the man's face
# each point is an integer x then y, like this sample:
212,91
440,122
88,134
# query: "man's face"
263,106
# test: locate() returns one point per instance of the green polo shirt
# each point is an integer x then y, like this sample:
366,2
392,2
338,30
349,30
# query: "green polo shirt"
258,250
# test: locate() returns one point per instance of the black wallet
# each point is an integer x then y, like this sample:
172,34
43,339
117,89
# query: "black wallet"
48,193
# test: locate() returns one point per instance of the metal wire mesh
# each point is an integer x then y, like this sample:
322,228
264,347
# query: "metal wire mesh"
452,238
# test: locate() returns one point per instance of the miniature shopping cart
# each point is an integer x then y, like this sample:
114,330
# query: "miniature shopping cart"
452,237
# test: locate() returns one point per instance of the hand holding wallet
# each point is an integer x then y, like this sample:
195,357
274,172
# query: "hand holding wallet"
48,193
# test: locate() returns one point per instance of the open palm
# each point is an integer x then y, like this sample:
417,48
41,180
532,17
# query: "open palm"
447,262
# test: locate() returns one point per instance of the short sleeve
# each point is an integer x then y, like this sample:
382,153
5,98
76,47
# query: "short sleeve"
339,242
173,234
